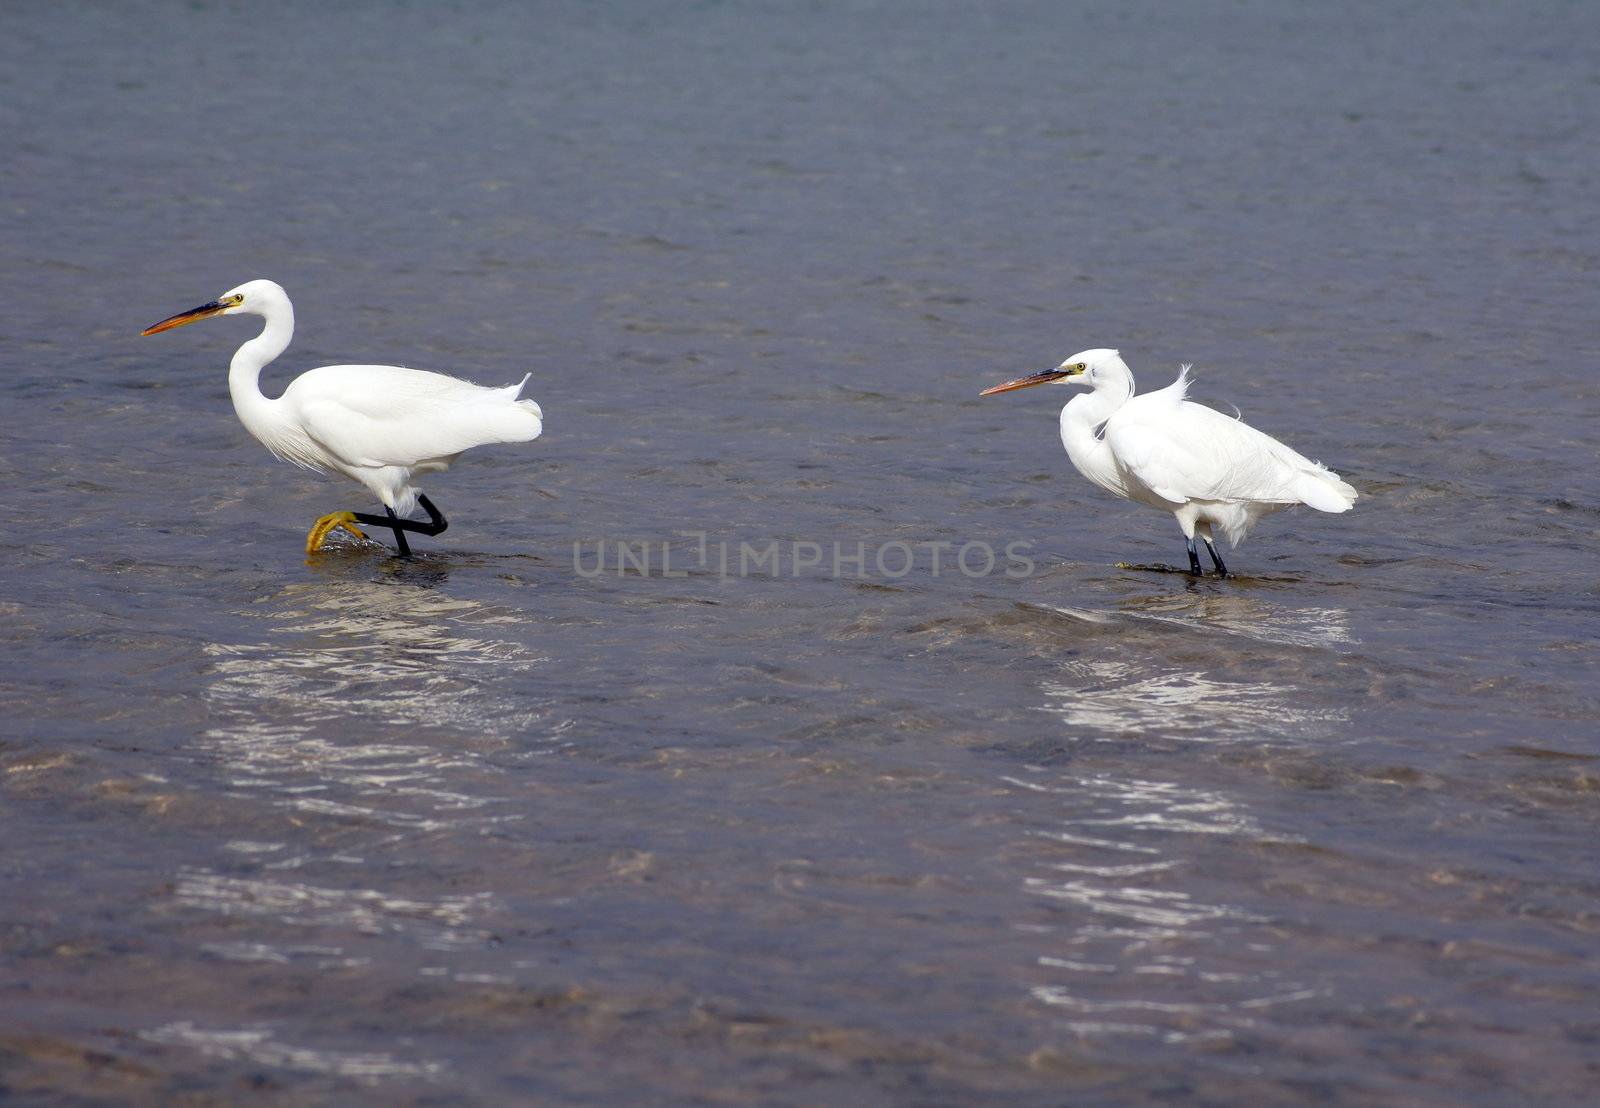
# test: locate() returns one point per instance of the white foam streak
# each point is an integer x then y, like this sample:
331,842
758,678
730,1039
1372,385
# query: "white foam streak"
258,1046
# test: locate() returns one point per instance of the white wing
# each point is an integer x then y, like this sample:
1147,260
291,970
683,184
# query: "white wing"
1185,451
382,415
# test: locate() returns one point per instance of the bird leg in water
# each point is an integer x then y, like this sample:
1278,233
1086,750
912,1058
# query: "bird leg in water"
1222,570
435,525
325,526
1194,558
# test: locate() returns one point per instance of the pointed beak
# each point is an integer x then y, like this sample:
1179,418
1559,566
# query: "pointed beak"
1043,377
193,315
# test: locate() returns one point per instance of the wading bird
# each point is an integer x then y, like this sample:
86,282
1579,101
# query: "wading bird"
1161,449
379,425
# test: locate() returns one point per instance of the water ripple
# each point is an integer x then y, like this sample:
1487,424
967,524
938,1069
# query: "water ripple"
1123,698
259,1046
1141,951
440,923
339,658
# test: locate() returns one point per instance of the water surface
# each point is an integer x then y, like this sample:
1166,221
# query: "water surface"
476,827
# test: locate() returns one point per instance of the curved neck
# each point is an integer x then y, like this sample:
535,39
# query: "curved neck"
244,372
1081,422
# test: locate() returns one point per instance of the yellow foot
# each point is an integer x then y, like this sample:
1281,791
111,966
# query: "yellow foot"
327,525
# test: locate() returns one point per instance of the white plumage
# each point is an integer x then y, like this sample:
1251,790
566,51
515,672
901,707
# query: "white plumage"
1211,471
379,425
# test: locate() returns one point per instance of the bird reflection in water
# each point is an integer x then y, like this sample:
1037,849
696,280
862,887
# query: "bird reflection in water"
365,716
362,673
1247,616
1139,950
1144,946
1229,613
1126,692
341,559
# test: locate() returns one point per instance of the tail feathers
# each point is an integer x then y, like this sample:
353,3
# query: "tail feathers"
521,420
1326,491
514,392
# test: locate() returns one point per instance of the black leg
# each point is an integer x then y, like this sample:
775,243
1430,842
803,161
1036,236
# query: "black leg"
401,546
1194,558
435,525
1222,570
436,518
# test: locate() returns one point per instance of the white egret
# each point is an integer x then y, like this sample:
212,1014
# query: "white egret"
1208,469
379,425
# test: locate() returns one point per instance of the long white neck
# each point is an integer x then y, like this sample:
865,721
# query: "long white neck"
256,411
1081,422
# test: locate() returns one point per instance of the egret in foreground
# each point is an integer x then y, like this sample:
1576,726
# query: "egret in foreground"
1210,470
379,425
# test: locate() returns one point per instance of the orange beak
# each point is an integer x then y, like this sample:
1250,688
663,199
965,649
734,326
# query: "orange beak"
1043,377
193,315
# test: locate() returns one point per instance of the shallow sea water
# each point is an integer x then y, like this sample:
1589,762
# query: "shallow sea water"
486,827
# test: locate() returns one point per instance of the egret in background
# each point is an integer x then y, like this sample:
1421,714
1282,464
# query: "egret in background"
379,425
1212,471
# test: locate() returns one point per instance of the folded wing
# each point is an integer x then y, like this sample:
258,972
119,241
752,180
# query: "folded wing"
371,416
1185,451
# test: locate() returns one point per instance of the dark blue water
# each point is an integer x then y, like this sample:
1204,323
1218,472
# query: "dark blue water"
484,826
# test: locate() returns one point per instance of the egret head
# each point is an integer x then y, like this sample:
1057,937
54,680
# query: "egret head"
1090,368
252,297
